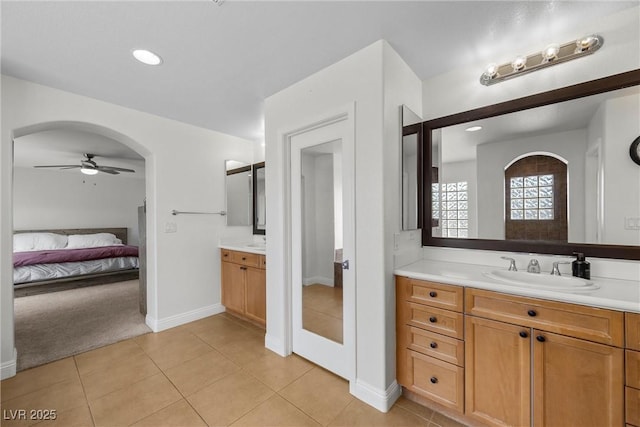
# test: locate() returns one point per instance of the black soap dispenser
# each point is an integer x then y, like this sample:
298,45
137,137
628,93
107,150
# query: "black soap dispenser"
580,267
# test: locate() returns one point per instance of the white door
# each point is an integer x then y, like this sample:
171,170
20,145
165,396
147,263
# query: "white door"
322,234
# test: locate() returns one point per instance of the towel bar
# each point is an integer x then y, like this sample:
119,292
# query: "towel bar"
175,212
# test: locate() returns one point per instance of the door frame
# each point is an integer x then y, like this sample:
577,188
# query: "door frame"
344,113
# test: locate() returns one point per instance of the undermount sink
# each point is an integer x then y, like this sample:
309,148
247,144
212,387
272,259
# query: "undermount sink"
542,281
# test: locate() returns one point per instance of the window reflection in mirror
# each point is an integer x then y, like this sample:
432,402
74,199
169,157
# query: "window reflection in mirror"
556,173
411,183
259,199
238,192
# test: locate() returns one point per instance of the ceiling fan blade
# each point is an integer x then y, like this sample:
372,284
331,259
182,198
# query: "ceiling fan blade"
113,168
59,166
109,171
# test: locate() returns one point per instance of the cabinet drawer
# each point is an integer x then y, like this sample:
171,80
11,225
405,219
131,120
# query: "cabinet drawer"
243,258
436,380
435,345
263,262
633,331
632,403
590,323
632,363
433,319
434,294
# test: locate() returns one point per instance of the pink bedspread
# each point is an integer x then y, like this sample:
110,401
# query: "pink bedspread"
70,255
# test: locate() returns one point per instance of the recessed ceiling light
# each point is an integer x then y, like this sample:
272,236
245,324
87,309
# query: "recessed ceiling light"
147,57
473,128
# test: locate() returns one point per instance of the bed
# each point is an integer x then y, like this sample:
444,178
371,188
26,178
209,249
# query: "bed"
55,260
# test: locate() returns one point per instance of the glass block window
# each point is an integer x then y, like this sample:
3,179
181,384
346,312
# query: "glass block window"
450,205
531,197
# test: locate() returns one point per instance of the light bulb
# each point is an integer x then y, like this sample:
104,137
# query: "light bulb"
551,52
585,43
147,57
88,171
519,63
490,72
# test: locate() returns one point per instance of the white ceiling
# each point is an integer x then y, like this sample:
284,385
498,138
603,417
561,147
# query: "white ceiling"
221,62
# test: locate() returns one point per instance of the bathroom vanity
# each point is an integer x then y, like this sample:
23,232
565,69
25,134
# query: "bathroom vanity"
501,354
244,292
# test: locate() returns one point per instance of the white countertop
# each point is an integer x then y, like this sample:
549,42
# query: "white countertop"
251,247
623,295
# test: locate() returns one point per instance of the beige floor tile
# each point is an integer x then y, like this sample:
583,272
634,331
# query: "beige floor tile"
276,412
360,414
441,420
127,406
179,414
104,357
415,408
118,375
244,351
195,374
216,322
178,350
76,417
322,324
150,342
277,372
37,378
228,399
320,394
217,337
61,396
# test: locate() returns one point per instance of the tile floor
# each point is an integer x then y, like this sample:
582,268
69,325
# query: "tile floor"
214,372
322,311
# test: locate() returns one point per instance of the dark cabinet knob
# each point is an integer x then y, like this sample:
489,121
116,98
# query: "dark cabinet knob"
244,258
226,255
532,313
541,338
433,380
433,319
523,334
433,345
433,294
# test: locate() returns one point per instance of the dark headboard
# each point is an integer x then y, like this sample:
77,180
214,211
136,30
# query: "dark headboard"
120,233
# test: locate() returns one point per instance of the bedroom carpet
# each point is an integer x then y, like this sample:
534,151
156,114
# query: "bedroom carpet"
52,326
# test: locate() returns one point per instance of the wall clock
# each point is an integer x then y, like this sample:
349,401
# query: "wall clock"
634,150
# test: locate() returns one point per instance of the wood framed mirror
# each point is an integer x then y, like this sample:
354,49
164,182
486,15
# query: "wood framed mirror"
584,126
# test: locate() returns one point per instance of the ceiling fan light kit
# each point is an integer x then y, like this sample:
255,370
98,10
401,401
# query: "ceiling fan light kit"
89,167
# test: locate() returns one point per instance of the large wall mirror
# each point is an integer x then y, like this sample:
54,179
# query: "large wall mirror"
548,173
259,199
238,192
411,155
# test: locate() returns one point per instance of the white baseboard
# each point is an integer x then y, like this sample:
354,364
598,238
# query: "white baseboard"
327,281
275,344
380,399
158,325
8,369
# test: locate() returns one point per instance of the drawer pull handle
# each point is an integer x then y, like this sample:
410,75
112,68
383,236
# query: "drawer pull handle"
226,255
433,380
243,268
244,258
523,334
433,319
541,338
433,294
433,345
532,313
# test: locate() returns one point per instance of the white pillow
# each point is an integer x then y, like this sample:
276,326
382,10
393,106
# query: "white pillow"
26,242
77,241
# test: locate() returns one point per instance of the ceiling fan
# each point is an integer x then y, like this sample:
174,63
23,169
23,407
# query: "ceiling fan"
89,167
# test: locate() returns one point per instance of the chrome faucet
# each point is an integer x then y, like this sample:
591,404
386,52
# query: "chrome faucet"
512,264
555,271
534,266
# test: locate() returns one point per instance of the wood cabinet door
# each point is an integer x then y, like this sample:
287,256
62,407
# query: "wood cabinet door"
498,372
256,295
576,382
233,278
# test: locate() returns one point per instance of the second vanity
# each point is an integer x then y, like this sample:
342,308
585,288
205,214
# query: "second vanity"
244,292
500,354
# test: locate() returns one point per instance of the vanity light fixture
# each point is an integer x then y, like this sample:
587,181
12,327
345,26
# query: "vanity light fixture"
473,128
146,57
551,55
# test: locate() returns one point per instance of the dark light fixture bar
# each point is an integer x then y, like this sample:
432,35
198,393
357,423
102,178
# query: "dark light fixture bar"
551,55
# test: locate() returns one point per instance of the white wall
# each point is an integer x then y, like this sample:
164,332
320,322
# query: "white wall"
378,82
185,170
492,158
45,199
